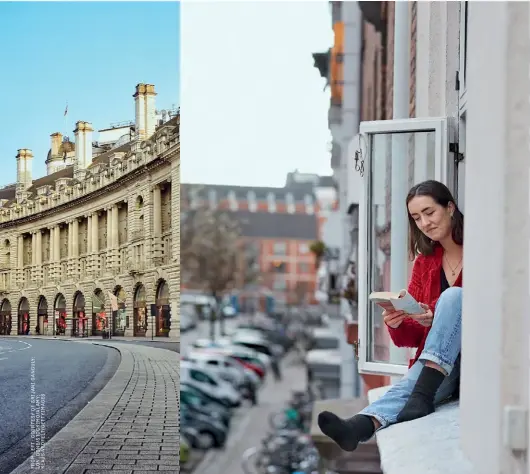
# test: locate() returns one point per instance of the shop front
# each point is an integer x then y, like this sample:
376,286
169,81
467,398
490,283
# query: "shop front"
5,318
79,319
99,315
42,316
59,312
163,310
119,316
140,311
23,317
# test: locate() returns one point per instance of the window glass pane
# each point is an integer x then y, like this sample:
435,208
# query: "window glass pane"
420,163
280,248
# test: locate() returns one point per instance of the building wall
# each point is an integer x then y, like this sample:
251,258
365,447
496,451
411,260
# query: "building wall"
135,255
495,368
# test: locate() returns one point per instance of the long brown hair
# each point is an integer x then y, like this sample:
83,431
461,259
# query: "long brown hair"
419,243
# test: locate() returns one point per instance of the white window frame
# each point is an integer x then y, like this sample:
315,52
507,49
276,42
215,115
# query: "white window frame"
443,171
309,204
290,202
252,202
271,202
232,201
462,59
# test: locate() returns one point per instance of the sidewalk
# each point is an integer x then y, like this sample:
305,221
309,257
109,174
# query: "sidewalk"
130,427
172,339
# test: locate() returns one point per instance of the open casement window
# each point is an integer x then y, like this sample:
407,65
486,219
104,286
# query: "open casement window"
395,155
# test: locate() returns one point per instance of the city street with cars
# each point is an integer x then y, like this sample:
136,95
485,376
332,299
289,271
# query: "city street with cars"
241,389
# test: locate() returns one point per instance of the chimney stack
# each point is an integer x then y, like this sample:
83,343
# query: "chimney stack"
83,144
144,99
24,165
57,139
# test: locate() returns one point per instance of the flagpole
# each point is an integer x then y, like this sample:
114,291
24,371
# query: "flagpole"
65,120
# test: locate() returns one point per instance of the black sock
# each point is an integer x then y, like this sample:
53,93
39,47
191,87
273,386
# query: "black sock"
421,400
346,433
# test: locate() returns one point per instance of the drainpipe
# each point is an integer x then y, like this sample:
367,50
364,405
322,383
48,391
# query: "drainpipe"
401,100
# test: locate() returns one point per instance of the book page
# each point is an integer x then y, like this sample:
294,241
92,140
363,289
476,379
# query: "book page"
408,304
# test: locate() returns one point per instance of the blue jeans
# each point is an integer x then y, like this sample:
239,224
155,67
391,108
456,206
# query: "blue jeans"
442,346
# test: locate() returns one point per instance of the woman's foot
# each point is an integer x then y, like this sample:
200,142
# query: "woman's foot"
346,433
421,400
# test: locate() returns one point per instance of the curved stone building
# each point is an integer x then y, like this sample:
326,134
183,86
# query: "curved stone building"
94,245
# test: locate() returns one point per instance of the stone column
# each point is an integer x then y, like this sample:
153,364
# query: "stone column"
110,256
20,258
57,251
70,238
115,236
75,238
95,232
39,247
89,245
95,242
33,248
157,224
38,256
75,247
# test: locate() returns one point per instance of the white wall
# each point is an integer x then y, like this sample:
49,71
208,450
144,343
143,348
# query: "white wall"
496,299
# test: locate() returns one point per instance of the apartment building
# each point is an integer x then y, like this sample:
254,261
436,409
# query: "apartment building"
93,246
442,97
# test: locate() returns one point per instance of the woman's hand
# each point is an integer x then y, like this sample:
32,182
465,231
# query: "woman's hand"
424,319
394,318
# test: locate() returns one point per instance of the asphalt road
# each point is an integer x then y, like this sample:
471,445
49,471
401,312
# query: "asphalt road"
68,374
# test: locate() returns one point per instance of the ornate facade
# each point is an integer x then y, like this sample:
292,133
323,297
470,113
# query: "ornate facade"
94,245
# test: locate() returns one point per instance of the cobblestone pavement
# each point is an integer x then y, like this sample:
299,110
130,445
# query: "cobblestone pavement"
253,426
131,426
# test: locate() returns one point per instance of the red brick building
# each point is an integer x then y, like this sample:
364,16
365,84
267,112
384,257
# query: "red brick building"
278,226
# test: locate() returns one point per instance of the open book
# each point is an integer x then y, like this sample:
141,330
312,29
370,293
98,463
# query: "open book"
402,301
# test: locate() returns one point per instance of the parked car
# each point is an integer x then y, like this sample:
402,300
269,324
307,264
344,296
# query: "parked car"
225,344
212,433
209,381
273,332
205,410
191,395
190,434
224,366
256,341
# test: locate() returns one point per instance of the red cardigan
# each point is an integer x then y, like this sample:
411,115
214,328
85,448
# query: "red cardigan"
425,286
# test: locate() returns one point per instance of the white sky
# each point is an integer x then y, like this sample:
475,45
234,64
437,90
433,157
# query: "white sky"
253,105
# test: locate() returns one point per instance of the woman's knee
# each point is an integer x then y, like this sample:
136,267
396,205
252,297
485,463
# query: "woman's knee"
452,296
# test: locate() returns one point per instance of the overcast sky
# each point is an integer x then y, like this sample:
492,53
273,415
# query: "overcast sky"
253,104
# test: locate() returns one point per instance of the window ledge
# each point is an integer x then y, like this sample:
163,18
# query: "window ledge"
430,445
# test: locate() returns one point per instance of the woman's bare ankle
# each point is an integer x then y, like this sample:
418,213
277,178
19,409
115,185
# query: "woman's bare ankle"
376,423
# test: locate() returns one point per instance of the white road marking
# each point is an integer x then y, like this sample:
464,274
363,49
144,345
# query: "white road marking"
3,358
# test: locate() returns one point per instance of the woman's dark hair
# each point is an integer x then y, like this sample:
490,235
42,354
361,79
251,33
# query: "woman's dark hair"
419,243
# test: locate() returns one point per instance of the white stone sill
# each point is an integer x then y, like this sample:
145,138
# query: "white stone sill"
430,445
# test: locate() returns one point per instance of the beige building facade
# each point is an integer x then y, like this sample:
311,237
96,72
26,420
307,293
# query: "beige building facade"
93,246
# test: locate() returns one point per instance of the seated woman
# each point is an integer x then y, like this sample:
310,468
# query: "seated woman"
436,238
